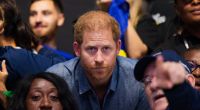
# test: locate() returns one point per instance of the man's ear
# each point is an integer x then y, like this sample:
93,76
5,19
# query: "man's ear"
190,78
118,45
61,19
1,27
77,48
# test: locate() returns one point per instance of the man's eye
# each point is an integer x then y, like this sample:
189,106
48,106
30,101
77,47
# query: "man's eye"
106,49
46,13
92,50
32,13
147,80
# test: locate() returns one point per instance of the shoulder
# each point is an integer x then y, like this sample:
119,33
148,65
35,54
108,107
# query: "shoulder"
127,80
126,69
54,52
126,62
64,68
17,54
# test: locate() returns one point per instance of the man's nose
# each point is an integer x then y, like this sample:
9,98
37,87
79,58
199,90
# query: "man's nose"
153,85
38,18
99,57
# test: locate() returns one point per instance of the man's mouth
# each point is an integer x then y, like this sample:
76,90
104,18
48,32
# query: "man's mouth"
38,26
99,69
158,96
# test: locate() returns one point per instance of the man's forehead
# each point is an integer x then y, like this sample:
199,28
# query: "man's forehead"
98,42
43,4
106,32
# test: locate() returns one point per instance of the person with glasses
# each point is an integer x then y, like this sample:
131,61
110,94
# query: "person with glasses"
192,55
162,75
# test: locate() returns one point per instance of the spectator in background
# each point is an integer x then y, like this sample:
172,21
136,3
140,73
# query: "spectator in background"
45,17
137,10
97,77
192,55
161,10
43,91
145,72
187,28
135,47
16,46
154,22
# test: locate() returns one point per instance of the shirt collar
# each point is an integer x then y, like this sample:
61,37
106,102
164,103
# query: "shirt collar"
83,83
81,79
114,79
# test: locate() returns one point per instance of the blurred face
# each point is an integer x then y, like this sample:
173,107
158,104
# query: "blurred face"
189,10
193,57
44,18
43,95
155,96
97,54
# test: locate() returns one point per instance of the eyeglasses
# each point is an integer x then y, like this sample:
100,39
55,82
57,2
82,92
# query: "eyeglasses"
193,65
147,80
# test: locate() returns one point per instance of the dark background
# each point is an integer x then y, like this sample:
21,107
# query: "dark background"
73,9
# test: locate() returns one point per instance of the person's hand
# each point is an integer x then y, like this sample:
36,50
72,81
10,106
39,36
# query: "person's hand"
3,72
168,74
3,77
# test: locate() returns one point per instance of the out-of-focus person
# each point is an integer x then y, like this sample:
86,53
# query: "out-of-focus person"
183,33
45,18
192,55
145,71
43,91
17,45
